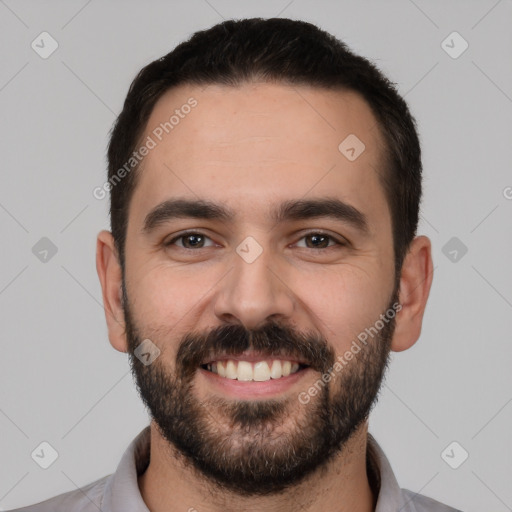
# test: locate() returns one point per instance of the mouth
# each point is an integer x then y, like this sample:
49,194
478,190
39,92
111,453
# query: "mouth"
253,367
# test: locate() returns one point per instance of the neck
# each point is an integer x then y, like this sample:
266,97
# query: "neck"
168,484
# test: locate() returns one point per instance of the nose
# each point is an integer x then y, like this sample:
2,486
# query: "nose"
254,293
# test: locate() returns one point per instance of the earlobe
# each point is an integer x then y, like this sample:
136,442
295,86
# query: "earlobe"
415,282
110,276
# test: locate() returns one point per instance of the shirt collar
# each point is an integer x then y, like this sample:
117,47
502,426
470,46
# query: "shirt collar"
389,492
122,492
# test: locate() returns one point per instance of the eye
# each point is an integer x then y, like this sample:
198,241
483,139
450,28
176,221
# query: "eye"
197,240
190,240
318,240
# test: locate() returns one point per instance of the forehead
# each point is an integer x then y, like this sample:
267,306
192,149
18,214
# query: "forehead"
261,142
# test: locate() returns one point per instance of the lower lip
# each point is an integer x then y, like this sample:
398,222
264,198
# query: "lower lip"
253,389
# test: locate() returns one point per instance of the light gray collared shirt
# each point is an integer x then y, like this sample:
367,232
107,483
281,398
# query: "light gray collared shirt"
120,492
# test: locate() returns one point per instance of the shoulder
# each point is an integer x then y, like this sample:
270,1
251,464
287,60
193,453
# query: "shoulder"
414,502
85,499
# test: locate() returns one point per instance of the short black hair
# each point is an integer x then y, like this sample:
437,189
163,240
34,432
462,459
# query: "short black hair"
275,50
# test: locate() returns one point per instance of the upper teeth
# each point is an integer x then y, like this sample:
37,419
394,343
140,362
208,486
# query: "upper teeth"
258,371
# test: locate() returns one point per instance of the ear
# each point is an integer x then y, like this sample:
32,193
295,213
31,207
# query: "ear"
415,281
110,275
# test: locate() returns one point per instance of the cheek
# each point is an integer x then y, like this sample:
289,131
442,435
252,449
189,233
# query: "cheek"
341,302
161,296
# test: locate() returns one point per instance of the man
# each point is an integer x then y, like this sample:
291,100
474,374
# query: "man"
263,262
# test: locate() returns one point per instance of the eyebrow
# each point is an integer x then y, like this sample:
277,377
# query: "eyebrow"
301,209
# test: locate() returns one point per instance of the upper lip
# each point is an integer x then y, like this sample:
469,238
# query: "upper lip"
253,357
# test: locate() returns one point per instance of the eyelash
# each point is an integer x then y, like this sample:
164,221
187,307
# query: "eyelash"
337,241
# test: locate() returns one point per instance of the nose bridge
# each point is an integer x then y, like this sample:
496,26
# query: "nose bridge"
253,292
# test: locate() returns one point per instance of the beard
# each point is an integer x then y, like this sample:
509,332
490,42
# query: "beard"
258,447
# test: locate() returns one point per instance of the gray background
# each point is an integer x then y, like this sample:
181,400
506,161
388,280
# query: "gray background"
61,381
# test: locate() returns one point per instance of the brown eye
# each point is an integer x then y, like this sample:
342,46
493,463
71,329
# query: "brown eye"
319,241
190,241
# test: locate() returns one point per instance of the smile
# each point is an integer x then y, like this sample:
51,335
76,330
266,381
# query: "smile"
258,371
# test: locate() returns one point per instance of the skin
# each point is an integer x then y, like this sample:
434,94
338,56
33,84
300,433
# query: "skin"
250,148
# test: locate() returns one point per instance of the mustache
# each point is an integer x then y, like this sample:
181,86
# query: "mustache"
272,339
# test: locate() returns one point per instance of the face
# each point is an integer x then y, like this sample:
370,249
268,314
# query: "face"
257,256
